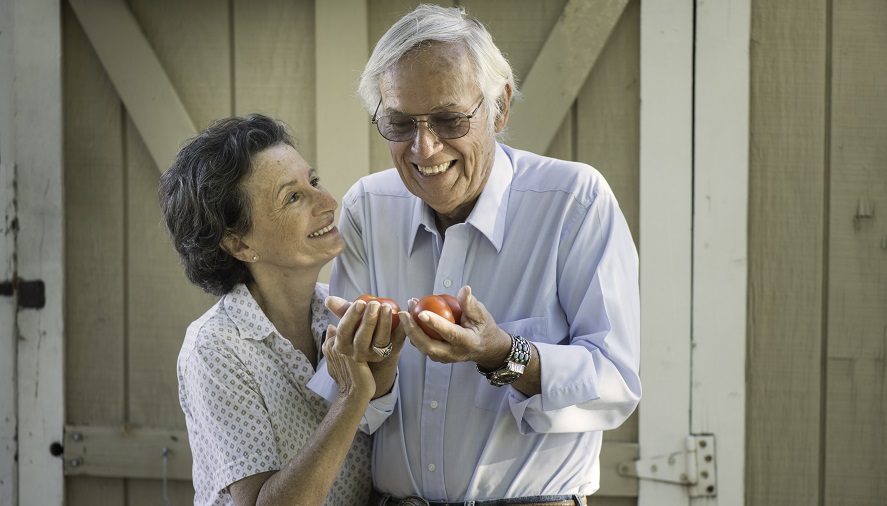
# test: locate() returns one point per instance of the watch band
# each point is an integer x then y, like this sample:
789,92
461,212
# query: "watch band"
514,365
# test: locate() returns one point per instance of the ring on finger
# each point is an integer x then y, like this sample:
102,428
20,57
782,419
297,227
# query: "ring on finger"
383,352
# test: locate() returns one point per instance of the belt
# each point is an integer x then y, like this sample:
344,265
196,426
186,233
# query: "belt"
380,499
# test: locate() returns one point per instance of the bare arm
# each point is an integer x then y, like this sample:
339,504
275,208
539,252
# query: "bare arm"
307,478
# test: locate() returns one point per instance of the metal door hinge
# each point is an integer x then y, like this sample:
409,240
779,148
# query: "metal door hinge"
692,466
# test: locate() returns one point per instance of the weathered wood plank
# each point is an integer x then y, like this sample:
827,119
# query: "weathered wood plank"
38,148
274,65
786,188
856,398
94,249
95,376
561,70
720,228
115,451
137,75
341,53
609,113
161,302
665,179
112,451
607,137
8,383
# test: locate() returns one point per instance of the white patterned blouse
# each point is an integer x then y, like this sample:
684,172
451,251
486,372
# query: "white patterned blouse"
247,407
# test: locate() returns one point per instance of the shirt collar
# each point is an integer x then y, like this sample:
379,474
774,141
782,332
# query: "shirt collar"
488,215
246,314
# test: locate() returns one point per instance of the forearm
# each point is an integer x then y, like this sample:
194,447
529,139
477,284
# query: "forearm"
307,478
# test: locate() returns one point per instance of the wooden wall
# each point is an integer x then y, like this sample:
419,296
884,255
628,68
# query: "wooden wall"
817,342
127,302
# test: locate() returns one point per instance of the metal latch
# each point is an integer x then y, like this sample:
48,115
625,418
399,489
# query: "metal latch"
693,466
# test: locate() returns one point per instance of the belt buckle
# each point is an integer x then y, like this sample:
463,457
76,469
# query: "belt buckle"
413,500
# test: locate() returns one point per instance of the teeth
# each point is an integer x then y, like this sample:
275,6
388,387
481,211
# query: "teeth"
434,169
321,231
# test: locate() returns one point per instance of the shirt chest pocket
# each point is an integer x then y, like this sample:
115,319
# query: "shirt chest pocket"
496,398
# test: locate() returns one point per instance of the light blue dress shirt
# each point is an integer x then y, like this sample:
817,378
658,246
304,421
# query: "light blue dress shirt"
547,250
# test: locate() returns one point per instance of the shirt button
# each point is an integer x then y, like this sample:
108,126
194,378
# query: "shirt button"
433,404
448,283
431,467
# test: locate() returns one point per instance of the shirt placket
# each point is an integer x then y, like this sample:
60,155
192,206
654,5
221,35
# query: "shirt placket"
448,279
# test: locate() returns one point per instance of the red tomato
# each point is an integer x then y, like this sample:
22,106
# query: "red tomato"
455,307
435,304
395,308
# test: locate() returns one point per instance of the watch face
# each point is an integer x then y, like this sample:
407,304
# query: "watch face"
500,378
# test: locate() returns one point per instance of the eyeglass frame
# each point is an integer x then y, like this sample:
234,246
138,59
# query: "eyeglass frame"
375,121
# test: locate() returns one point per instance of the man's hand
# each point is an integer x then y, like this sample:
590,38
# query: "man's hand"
478,339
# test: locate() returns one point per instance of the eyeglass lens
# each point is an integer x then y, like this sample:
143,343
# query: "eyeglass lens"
446,125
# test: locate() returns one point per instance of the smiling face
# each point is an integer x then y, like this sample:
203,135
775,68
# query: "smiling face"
292,215
448,174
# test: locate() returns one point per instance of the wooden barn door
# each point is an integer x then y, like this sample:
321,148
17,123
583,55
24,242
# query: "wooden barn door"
142,75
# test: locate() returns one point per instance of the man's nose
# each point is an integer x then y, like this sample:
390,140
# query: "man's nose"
426,142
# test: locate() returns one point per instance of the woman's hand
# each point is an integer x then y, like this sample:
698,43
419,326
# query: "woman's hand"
367,325
354,378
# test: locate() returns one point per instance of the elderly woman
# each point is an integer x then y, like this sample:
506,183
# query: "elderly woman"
253,225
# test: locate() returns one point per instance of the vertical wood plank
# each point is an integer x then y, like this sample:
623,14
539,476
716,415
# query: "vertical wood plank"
8,348
786,188
37,54
160,301
609,114
94,251
274,65
720,270
341,53
608,138
666,139
195,52
856,396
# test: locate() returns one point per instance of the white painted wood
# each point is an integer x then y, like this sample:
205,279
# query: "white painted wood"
40,245
720,237
343,125
143,86
665,236
561,70
8,413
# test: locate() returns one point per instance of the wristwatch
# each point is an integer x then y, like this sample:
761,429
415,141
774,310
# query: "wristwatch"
514,365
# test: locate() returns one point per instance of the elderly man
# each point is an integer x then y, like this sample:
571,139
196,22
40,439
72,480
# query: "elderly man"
511,403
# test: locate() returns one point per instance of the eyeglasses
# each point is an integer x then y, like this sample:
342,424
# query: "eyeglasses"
403,127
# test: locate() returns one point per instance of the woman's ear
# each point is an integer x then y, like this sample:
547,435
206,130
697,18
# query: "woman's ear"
504,108
234,246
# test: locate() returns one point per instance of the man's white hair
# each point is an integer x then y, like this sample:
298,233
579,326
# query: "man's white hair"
432,23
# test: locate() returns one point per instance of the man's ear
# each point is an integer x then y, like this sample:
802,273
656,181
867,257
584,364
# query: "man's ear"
504,108
234,246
